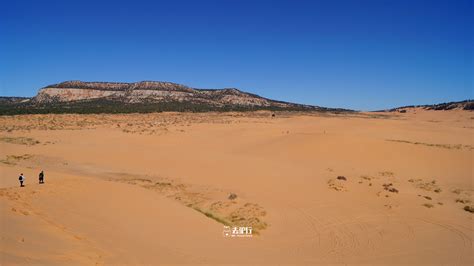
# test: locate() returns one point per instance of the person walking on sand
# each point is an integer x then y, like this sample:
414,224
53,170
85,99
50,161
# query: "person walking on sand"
41,177
22,179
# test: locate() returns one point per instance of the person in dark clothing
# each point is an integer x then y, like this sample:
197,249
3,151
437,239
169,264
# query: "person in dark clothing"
41,177
22,179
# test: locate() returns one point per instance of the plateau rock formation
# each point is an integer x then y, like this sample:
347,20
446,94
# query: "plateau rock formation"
152,91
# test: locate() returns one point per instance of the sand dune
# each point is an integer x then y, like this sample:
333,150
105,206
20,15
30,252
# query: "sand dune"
377,188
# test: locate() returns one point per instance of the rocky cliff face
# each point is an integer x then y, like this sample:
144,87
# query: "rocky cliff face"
151,91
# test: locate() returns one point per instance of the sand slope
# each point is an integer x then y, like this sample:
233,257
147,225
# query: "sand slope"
154,188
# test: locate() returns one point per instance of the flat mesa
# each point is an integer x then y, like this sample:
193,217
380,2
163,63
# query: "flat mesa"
142,97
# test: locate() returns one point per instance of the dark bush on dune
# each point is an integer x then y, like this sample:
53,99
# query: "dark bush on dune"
232,196
469,208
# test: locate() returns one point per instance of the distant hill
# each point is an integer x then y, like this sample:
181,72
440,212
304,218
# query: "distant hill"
145,96
13,100
157,96
461,105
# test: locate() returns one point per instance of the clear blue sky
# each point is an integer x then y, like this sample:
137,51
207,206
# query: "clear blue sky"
366,54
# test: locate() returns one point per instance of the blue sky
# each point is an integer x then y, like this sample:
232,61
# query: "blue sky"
365,54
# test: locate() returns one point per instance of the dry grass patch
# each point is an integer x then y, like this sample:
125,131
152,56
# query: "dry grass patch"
444,146
389,187
20,140
14,159
387,174
463,201
457,191
426,186
336,184
227,209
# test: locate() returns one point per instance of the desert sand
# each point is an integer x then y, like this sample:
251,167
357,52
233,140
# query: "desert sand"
364,188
